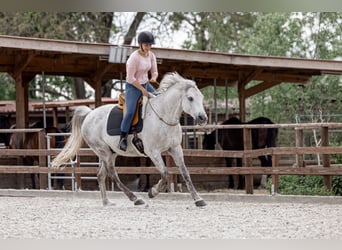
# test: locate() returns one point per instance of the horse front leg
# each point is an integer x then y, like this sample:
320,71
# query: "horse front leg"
266,161
232,179
177,155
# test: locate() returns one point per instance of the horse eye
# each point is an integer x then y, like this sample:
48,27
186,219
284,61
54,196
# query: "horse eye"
190,98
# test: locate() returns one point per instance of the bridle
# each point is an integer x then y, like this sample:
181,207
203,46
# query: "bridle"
159,117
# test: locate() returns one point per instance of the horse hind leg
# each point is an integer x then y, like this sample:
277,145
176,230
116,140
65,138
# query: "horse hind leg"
101,179
108,169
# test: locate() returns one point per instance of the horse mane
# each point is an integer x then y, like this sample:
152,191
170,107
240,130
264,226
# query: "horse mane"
172,79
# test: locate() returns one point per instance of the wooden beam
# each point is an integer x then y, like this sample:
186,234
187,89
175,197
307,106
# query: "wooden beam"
21,61
259,88
245,79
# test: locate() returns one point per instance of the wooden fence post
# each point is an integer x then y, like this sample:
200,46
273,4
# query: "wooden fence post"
248,161
299,143
42,159
275,177
326,157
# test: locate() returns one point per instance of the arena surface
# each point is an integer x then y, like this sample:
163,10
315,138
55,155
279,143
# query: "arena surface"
28,214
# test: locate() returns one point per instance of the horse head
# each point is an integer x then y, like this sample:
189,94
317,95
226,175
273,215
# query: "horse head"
192,98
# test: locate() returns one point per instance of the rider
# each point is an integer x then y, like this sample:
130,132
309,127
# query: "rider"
138,65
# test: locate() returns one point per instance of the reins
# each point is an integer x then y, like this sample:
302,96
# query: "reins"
161,118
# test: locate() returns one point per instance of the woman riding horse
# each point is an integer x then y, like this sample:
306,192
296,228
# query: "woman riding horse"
138,65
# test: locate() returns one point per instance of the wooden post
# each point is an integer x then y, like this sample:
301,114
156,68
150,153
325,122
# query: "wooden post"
21,102
55,116
326,157
242,102
275,177
299,143
248,161
98,94
42,159
67,115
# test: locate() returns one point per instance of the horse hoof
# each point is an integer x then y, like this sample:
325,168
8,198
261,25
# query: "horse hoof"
152,194
139,202
108,204
200,203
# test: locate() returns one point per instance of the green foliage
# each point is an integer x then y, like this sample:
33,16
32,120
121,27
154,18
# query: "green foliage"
337,180
214,31
308,35
305,35
337,185
300,185
306,185
76,26
7,87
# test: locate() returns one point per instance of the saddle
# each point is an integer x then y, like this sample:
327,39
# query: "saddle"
122,106
115,117
117,113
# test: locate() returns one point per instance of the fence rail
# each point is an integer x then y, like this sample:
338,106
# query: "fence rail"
326,169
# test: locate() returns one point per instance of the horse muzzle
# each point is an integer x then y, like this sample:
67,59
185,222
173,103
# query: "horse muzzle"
201,119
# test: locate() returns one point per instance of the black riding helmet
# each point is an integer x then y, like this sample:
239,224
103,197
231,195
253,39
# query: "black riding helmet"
146,37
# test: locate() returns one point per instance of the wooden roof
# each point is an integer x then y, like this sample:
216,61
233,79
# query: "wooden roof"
90,61
96,63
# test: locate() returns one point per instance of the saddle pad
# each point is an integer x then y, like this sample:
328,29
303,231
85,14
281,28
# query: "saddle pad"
114,122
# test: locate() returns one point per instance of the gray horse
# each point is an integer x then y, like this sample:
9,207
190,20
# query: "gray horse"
161,132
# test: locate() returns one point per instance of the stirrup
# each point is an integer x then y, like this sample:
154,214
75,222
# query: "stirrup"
138,143
123,144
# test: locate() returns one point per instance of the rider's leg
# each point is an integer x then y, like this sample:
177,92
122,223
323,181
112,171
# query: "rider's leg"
132,95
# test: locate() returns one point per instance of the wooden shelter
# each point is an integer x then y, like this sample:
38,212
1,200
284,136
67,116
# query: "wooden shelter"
97,63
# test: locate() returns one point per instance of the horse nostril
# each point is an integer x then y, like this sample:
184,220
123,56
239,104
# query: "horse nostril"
202,118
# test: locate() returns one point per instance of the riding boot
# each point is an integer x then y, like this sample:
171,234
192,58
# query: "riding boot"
123,141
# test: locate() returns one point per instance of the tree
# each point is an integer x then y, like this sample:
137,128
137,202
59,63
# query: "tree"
283,35
212,31
131,33
76,26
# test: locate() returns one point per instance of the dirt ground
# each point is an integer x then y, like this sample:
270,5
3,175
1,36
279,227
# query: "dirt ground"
29,214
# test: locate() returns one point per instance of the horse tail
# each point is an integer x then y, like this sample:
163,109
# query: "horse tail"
75,140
